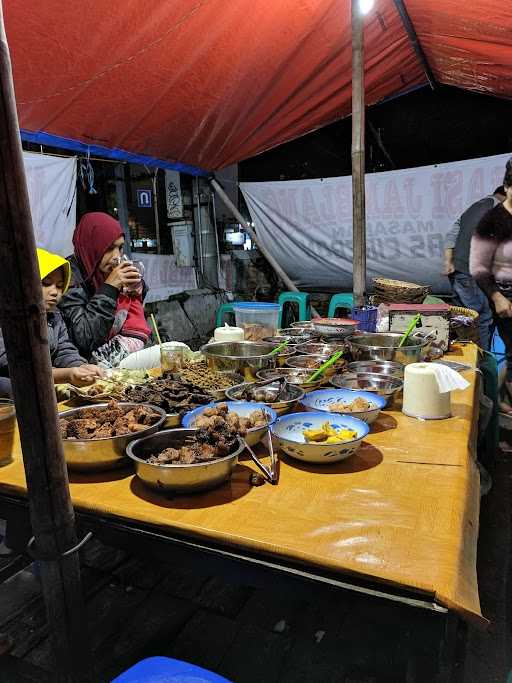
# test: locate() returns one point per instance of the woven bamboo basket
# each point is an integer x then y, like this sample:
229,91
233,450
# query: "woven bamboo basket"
465,332
398,291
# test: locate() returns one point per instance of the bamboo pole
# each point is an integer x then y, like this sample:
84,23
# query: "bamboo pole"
25,333
236,213
358,153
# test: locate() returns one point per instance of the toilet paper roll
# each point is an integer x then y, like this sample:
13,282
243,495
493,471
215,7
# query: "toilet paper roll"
422,397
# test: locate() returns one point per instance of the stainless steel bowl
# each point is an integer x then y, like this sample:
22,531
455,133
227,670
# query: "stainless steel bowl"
313,362
219,394
179,478
385,386
295,376
244,358
283,355
95,455
297,331
303,325
319,348
281,407
292,340
384,346
377,367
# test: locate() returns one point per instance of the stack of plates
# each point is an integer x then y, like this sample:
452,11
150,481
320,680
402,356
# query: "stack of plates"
396,291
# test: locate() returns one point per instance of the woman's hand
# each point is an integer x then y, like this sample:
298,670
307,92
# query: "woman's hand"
85,375
502,305
124,275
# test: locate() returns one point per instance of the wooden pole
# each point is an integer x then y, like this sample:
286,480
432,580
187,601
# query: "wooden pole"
25,332
358,153
275,265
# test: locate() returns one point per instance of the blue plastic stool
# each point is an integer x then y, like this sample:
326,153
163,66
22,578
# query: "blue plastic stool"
498,348
340,301
299,298
167,670
221,312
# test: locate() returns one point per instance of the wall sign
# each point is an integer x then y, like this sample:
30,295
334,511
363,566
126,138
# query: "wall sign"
144,198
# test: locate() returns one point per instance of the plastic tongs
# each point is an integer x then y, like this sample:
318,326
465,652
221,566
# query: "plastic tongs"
271,475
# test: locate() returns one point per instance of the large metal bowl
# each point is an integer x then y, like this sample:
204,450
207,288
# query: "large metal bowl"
96,455
245,357
384,386
313,362
377,367
384,346
179,478
281,407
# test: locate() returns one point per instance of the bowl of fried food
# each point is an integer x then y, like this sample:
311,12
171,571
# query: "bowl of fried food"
363,405
249,420
95,437
319,438
182,461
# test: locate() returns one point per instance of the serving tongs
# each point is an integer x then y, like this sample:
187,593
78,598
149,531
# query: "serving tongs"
272,474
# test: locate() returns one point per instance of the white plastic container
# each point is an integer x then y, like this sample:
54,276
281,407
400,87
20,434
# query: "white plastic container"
257,319
228,334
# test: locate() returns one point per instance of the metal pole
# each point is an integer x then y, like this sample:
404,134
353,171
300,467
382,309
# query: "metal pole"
358,193
122,207
155,210
416,45
25,331
236,213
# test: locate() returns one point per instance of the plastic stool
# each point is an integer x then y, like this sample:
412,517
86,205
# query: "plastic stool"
167,670
221,312
340,301
300,298
498,348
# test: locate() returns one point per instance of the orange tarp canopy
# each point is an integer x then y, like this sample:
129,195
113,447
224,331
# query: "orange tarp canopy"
209,83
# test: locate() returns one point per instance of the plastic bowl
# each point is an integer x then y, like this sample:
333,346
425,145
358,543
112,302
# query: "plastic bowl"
322,399
288,434
242,408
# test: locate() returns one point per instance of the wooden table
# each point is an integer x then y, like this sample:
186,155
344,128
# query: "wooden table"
400,518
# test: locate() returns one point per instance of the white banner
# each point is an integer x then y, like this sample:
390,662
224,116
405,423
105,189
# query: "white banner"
163,277
173,194
51,185
307,224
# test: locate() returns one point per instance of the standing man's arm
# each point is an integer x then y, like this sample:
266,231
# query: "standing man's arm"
451,238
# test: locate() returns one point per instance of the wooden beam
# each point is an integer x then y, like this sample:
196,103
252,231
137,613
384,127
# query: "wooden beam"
413,37
25,332
358,154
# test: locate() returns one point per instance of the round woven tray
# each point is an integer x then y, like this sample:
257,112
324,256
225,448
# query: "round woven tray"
465,332
398,291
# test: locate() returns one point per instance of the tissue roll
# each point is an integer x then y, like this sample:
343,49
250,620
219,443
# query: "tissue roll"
422,397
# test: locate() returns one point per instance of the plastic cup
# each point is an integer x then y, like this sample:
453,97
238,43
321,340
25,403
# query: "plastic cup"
257,319
171,357
7,426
